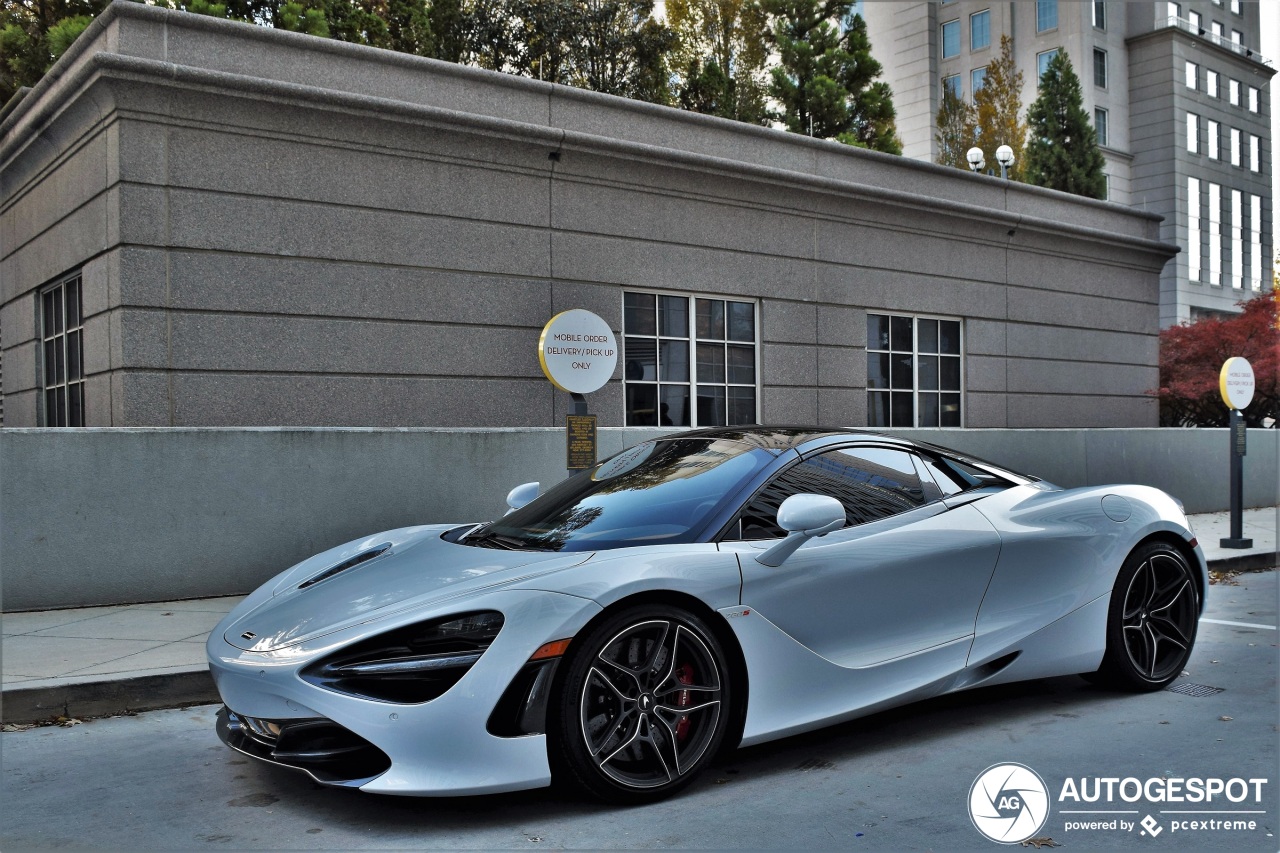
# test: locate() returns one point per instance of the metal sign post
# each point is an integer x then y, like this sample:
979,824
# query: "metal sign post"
578,353
1235,383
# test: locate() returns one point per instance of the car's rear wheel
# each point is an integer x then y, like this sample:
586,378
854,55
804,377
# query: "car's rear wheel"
644,706
1152,621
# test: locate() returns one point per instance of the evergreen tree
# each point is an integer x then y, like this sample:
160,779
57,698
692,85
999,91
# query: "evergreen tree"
955,122
825,78
448,30
720,57
34,33
1063,151
995,117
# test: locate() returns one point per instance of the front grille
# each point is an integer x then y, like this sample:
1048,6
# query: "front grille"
330,753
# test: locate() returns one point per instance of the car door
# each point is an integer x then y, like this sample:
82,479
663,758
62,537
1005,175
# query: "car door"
907,573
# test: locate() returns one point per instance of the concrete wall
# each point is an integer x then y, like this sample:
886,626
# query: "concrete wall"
107,516
276,229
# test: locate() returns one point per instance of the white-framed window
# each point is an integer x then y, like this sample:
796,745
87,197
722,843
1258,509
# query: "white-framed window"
914,371
1100,125
1255,99
1100,14
1193,74
1237,37
980,30
951,39
1216,29
1253,154
690,360
1211,132
1215,234
1211,83
977,79
1196,21
1100,68
1233,92
1193,133
951,83
1042,62
1046,15
62,354
1235,146
1193,229
1237,238
1255,242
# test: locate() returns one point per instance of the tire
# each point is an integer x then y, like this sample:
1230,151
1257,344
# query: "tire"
1152,620
643,706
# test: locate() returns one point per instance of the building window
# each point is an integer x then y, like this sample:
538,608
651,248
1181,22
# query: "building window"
951,83
1211,131
1216,29
1253,153
980,30
1100,125
1042,62
951,39
1237,235
1211,83
1100,68
1046,15
977,79
1100,14
62,354
1237,37
1235,146
1236,7
1254,99
1193,72
1174,11
913,371
667,338
1106,187
1233,91
1255,242
1215,234
1193,133
1193,229
1197,22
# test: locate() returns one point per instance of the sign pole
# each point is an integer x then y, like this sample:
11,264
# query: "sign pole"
578,353
1236,384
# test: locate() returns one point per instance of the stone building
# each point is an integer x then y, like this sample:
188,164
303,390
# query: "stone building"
209,223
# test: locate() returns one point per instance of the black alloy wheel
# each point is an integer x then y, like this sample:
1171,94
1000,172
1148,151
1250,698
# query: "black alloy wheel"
1152,622
645,705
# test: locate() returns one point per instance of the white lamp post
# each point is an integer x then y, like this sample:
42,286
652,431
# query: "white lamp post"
976,161
1004,156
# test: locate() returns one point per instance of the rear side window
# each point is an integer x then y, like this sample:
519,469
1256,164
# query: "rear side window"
871,482
954,476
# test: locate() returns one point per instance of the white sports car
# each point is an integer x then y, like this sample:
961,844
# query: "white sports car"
691,594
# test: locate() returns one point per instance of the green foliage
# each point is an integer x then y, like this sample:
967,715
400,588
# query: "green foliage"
995,119
612,46
955,135
1062,153
448,30
825,78
720,57
301,19
34,33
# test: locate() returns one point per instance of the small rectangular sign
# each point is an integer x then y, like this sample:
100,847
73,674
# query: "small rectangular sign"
1238,436
580,441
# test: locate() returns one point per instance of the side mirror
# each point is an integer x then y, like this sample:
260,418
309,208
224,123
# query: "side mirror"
521,495
803,517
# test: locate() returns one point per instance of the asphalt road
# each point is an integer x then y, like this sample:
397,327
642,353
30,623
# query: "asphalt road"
897,781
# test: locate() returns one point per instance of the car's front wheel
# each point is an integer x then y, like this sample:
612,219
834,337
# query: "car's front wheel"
1151,625
644,706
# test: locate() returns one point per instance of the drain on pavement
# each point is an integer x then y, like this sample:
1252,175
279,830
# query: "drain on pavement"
1193,689
814,764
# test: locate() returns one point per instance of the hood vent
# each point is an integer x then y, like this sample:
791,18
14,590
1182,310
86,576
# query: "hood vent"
349,563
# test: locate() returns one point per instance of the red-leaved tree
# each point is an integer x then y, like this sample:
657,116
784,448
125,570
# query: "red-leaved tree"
1191,357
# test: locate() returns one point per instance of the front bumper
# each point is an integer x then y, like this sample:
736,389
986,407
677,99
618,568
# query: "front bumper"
440,747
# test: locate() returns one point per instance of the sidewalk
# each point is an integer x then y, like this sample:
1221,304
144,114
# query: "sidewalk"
103,660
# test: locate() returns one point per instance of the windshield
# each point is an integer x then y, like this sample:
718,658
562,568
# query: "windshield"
656,493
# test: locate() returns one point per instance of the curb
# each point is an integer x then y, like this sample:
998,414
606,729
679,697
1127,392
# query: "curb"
103,698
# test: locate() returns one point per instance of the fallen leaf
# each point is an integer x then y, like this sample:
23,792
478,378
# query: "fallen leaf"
1040,842
18,727
1226,719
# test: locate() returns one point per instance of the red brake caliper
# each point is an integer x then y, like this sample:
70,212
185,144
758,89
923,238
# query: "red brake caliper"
685,676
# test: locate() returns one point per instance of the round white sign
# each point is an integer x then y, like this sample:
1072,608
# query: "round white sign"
578,351
1235,382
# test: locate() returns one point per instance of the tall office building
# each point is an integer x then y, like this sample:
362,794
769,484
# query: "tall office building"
1179,96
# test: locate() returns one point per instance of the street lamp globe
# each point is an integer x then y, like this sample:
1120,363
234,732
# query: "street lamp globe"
976,160
1004,156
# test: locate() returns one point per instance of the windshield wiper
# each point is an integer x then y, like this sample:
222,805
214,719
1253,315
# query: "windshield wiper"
496,540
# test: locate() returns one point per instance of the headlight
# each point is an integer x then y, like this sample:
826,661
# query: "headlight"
409,665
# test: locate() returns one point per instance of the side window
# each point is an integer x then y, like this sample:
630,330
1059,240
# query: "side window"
954,476
872,483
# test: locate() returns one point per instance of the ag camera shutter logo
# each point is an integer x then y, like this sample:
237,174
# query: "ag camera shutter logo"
1009,803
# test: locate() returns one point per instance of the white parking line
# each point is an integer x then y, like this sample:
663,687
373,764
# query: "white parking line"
1239,624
